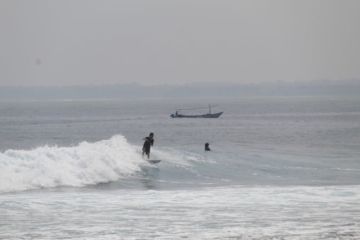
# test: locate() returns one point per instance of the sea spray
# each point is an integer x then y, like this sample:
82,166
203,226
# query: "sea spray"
80,165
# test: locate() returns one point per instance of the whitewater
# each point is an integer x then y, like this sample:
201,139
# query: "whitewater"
81,165
85,164
280,168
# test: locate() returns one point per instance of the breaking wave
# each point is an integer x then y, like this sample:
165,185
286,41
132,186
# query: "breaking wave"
76,166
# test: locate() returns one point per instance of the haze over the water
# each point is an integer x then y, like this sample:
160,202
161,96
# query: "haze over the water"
88,42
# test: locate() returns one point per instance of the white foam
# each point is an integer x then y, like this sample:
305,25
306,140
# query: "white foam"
230,212
84,164
179,158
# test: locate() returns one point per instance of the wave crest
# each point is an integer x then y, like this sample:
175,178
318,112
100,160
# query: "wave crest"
84,164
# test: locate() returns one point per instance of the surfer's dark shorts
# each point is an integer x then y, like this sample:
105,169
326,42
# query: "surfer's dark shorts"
146,151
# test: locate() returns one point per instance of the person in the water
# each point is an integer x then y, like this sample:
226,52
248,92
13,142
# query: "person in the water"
207,148
149,142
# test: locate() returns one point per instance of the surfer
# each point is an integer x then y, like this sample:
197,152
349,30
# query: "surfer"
207,148
149,141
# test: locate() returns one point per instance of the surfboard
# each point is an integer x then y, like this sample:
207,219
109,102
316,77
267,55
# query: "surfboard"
154,161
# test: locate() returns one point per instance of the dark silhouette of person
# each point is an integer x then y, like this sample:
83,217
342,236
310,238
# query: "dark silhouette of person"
149,141
207,148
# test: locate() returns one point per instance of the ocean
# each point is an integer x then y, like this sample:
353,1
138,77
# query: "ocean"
279,168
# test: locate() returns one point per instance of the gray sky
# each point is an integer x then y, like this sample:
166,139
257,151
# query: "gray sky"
82,42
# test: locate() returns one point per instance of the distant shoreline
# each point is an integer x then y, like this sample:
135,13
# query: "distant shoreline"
194,91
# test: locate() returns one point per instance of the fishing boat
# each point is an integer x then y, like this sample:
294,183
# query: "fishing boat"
206,115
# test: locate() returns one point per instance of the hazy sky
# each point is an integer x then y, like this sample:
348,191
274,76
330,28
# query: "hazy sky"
81,42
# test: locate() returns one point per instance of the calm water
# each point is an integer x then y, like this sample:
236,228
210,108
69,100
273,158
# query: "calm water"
280,168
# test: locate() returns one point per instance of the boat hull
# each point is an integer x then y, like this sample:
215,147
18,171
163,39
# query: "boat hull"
207,115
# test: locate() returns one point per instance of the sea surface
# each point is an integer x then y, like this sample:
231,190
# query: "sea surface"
280,168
